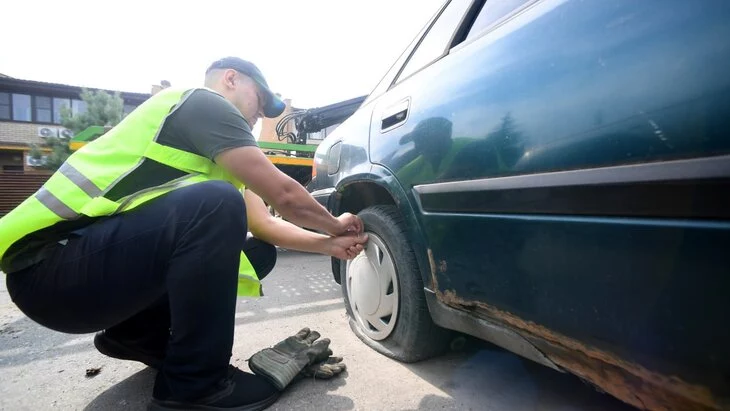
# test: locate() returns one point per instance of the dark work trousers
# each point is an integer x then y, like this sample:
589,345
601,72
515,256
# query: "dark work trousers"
164,274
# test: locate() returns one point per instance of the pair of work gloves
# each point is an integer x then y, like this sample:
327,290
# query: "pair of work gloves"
296,357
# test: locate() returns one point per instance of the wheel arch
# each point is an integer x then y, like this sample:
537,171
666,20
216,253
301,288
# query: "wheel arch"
380,187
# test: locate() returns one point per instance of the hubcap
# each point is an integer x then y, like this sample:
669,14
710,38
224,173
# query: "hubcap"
372,289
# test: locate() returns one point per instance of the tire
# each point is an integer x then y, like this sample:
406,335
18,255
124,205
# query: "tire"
387,272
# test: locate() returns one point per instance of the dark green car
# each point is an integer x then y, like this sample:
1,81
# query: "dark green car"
552,176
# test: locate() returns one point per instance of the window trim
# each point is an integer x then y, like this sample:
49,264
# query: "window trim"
494,26
396,78
468,16
459,37
388,79
53,104
53,100
10,106
34,108
78,101
465,24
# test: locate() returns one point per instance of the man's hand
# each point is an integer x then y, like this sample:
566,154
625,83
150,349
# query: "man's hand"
346,247
349,224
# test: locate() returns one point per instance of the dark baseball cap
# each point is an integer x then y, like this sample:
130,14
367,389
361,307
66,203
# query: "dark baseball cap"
273,106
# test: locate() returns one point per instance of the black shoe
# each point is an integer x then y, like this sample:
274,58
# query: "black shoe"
239,391
125,350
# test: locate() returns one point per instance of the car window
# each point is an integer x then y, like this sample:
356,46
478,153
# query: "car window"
492,12
389,76
437,38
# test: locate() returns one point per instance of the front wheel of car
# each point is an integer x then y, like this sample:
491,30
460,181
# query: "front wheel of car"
384,294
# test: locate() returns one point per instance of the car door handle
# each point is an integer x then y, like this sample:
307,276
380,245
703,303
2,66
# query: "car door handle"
395,115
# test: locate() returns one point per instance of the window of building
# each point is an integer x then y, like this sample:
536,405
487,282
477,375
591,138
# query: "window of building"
4,106
21,107
43,109
12,168
57,104
437,39
78,107
492,12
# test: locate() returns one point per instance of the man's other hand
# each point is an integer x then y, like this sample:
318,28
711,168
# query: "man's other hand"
349,224
346,247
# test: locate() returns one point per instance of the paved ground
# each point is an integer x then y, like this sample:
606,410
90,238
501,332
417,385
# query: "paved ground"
42,369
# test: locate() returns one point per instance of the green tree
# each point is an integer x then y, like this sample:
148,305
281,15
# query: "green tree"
102,109
35,152
59,153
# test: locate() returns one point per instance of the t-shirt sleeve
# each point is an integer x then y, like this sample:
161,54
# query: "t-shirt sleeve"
207,124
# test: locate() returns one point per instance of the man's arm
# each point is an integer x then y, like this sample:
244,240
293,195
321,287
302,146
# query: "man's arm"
289,198
284,234
209,125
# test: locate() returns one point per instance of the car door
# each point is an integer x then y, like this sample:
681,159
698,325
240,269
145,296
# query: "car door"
568,163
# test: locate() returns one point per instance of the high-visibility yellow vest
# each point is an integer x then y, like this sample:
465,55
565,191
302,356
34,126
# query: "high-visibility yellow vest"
79,187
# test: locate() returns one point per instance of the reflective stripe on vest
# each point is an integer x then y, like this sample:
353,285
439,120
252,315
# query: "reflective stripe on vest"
54,204
79,185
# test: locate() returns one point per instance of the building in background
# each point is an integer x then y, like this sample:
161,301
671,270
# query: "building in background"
30,111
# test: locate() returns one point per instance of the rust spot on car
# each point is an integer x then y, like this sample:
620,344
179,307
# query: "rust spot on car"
449,297
432,266
625,380
442,267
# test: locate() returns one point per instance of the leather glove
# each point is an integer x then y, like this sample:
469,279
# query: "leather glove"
326,369
283,362
324,366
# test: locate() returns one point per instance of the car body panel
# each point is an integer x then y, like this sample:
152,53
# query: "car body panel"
600,100
577,195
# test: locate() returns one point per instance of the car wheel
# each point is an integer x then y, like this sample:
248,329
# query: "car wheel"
384,295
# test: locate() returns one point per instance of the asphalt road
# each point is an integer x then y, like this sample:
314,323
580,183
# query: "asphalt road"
42,369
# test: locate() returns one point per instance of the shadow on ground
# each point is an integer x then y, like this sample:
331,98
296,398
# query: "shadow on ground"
132,393
506,381
315,395
135,392
478,376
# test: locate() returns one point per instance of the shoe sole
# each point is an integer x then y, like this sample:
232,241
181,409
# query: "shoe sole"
113,349
156,405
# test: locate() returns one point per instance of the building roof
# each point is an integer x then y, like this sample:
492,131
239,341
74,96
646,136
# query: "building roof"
24,86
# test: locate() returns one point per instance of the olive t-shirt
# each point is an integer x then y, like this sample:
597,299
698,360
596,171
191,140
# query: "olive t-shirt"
205,123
